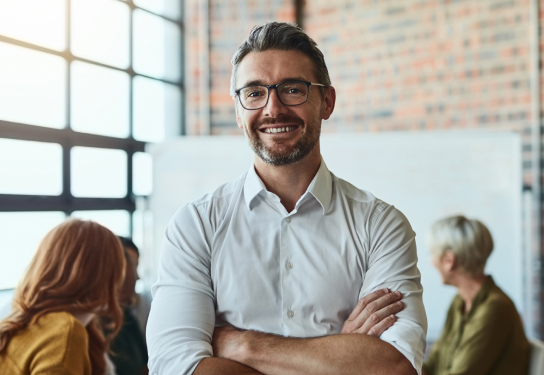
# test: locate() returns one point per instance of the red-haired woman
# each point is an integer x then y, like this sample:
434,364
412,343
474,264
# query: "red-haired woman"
72,280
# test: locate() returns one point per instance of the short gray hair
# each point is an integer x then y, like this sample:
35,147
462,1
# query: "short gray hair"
468,239
281,36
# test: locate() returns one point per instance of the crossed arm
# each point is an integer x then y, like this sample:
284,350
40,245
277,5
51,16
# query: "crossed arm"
357,348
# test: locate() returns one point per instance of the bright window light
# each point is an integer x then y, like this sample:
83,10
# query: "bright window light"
98,172
32,87
156,109
142,180
20,235
167,8
30,167
100,100
39,22
161,39
118,221
100,31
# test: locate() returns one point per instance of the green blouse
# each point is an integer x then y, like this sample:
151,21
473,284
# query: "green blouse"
489,340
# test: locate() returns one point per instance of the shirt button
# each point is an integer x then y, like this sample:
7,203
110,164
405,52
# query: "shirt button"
290,313
289,265
288,220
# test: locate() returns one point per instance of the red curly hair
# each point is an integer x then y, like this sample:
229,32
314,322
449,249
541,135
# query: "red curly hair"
78,268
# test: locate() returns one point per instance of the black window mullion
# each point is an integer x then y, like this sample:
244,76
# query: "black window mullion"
130,194
68,138
67,144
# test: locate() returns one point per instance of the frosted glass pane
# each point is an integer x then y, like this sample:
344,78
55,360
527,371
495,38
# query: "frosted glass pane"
100,100
20,235
32,87
156,109
40,22
100,31
157,45
167,8
6,296
117,221
142,176
30,167
98,172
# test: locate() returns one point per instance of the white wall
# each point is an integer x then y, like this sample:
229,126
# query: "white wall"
426,175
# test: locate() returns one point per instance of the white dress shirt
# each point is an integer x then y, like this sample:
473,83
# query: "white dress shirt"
237,257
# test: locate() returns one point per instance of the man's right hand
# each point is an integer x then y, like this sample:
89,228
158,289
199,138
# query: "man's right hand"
374,313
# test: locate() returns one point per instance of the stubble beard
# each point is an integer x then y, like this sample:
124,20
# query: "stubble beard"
299,151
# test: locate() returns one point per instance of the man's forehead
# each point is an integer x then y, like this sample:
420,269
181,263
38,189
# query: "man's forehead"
273,66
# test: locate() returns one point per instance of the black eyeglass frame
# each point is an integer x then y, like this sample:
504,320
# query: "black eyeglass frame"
275,87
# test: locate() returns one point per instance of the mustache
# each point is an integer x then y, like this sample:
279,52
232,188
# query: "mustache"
278,120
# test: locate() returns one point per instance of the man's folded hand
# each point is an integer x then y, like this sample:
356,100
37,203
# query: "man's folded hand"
374,313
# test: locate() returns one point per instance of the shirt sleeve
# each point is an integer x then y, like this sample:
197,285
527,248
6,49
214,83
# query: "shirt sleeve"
182,316
392,263
63,347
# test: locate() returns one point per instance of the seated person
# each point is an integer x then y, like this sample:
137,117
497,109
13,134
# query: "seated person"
72,281
483,334
129,351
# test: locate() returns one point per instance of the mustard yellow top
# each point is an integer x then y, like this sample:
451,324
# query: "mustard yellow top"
57,344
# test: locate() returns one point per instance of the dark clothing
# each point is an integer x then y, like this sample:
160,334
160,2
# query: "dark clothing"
129,348
489,340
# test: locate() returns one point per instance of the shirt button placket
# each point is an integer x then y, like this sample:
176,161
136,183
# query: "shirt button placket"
286,283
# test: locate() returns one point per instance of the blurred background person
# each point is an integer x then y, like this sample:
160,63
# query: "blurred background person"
129,351
483,333
72,280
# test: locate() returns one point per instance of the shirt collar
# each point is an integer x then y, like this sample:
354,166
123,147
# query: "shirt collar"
479,299
320,187
252,186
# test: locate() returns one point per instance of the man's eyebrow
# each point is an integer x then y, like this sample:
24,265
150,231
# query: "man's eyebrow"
255,82
258,82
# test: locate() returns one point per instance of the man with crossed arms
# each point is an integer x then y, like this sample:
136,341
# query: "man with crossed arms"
288,269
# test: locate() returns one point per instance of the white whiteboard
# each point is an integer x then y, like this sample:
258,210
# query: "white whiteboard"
426,175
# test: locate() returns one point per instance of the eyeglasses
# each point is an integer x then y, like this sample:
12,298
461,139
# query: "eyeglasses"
289,92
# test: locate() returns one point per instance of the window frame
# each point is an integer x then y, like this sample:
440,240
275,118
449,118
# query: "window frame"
69,138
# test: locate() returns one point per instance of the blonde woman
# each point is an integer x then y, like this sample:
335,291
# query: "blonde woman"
483,334
73,280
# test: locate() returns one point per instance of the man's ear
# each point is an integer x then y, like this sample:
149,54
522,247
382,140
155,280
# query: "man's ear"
329,100
450,260
238,119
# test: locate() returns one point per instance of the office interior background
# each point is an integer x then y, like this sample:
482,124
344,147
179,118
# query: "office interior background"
119,111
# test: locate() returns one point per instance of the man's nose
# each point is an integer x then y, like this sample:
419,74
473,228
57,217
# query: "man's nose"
274,107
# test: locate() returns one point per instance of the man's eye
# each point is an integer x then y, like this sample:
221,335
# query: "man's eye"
292,90
254,94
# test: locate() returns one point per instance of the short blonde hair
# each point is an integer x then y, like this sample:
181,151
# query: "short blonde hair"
468,239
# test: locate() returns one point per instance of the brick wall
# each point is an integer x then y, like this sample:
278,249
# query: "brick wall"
424,65
397,65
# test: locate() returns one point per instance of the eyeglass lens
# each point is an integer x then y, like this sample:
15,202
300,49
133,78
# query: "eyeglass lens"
290,93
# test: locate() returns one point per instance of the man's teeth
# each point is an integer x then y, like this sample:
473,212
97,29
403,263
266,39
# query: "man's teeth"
279,130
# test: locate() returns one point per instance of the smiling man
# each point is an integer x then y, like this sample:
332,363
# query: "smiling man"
288,269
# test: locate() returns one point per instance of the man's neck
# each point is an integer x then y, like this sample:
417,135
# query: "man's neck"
289,182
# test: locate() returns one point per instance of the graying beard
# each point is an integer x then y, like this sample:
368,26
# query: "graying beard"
296,155
277,161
